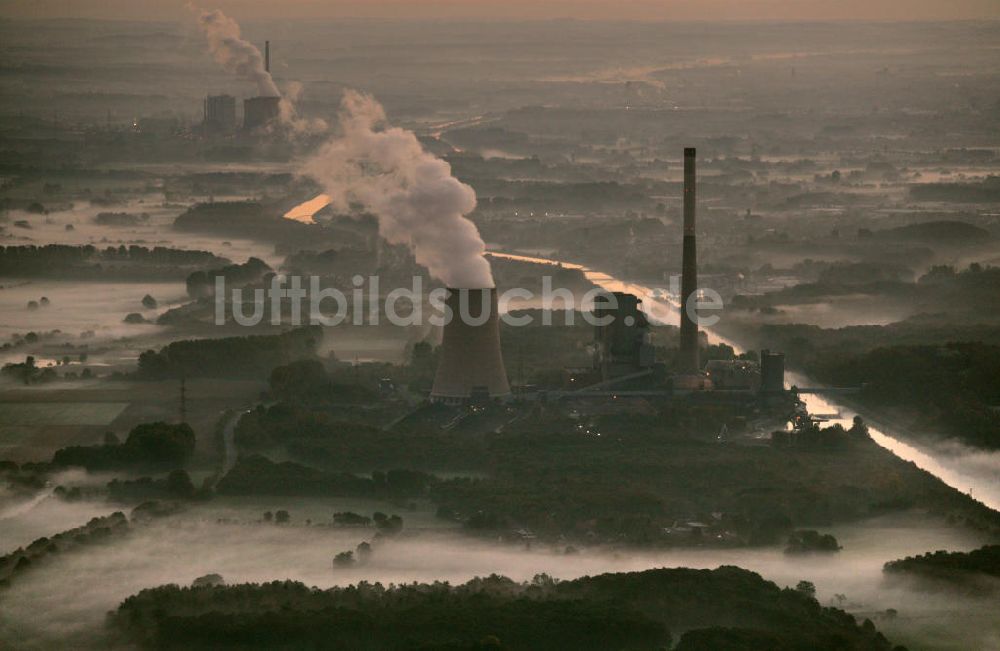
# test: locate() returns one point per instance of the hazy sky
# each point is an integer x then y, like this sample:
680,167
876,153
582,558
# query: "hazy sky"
522,9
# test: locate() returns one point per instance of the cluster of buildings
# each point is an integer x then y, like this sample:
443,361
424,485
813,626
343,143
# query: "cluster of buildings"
220,110
220,113
471,367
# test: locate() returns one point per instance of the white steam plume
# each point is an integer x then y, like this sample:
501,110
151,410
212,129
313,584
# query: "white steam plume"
235,54
241,57
289,115
416,199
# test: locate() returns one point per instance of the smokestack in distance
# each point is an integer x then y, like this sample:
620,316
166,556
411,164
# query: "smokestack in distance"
689,363
267,56
471,362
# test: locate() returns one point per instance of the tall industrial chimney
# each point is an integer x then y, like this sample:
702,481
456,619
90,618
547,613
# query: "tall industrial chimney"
688,359
267,56
471,363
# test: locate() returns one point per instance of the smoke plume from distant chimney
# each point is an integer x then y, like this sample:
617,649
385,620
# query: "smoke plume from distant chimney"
235,54
416,199
241,57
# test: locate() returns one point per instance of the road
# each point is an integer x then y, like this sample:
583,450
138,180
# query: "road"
229,441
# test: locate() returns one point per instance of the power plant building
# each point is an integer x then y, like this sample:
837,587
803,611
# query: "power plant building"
471,367
733,374
622,345
772,371
471,364
260,111
220,113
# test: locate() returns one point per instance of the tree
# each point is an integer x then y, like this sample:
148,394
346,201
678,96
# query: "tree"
161,443
149,445
253,356
300,380
809,540
387,524
421,352
859,430
179,484
807,588
153,365
208,580
344,559
351,519
26,372
281,517
406,482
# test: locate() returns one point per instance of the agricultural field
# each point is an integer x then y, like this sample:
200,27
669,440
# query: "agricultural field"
37,421
60,413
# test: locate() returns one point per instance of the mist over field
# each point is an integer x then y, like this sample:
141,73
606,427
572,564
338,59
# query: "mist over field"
793,227
244,550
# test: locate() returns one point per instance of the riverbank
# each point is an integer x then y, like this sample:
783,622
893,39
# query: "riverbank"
976,478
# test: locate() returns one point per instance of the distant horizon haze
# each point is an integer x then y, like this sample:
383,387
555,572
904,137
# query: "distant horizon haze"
602,10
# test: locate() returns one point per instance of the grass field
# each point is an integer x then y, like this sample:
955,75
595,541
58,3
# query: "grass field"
59,413
36,421
11,435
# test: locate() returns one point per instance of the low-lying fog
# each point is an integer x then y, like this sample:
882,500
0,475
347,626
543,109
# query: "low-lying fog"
976,472
24,522
970,470
157,230
65,598
98,308
23,519
845,312
76,308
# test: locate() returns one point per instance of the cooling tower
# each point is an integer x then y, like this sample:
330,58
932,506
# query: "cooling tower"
471,363
688,363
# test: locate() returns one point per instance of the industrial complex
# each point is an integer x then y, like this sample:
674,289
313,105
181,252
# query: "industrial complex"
471,368
258,112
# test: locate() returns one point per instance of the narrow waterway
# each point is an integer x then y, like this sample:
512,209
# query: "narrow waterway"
974,472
